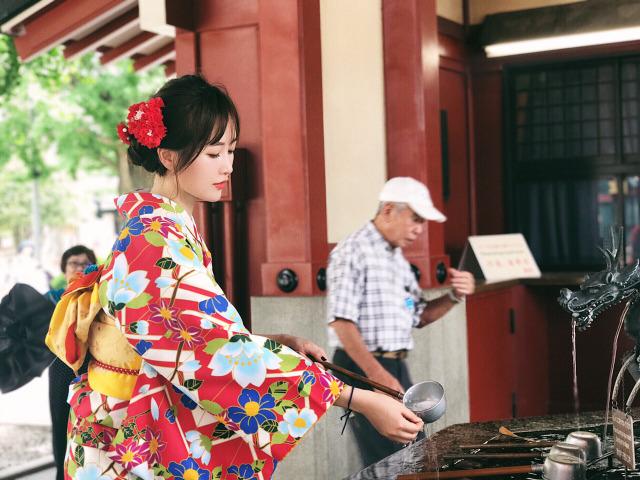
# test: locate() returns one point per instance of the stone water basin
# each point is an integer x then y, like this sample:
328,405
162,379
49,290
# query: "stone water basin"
426,454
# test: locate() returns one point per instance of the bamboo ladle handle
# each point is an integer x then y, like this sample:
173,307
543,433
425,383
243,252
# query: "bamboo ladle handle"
348,373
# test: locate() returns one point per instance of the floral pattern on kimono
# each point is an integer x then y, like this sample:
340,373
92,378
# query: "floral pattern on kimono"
211,401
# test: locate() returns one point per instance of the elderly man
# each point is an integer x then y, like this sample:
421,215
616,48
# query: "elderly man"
374,299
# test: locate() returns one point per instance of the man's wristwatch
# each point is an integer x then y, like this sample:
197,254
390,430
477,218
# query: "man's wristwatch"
453,298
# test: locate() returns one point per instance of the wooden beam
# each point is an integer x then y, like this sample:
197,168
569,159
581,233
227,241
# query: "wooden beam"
161,55
137,43
103,35
61,22
15,24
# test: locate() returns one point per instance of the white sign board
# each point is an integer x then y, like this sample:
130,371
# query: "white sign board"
499,257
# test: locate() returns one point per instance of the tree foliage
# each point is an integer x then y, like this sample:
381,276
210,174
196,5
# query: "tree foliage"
72,106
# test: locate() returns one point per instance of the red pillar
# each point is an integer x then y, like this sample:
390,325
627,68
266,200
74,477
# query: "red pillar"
413,114
267,55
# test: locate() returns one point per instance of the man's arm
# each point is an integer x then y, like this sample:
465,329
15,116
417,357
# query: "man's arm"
462,284
355,347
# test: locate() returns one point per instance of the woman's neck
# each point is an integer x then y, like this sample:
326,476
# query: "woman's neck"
168,187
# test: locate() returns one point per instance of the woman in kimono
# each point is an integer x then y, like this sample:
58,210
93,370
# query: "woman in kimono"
177,387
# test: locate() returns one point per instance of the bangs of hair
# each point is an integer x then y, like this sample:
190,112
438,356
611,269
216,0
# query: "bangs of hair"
207,123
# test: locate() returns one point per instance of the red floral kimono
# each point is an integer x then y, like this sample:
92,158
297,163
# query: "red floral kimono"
192,395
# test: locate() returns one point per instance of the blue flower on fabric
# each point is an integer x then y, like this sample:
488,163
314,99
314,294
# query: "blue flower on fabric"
185,399
243,472
308,378
297,422
142,346
170,415
133,227
188,469
198,446
253,410
124,286
245,360
145,210
213,305
90,268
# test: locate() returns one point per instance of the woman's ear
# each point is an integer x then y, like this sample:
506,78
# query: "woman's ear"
168,158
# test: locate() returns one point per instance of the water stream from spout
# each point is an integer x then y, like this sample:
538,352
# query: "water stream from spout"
576,397
614,351
416,459
431,450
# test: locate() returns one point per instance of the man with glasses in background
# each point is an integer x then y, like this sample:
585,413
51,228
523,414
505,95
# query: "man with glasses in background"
73,262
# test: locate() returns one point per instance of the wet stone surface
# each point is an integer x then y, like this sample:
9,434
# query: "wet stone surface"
20,444
426,454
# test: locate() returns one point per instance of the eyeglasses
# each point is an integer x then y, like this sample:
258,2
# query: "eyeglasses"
78,265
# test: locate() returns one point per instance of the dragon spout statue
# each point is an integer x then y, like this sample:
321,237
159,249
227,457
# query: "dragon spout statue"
600,291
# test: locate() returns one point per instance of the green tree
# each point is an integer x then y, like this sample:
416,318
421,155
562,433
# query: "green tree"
87,138
70,108
15,203
73,106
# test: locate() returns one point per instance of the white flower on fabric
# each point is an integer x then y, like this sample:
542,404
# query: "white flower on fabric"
297,423
124,286
155,411
141,327
206,324
164,282
179,223
90,472
190,366
183,255
143,471
247,362
148,370
196,448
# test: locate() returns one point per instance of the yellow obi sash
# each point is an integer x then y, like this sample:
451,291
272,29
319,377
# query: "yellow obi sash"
79,325
115,365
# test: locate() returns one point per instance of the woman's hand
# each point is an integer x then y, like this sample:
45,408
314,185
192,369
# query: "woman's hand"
301,345
388,416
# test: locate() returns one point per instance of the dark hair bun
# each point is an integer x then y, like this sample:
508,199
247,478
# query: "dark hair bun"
195,114
144,157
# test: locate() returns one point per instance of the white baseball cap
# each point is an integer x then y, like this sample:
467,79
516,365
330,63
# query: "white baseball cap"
414,193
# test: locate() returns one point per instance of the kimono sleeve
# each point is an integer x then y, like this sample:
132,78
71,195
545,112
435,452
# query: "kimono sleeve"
174,314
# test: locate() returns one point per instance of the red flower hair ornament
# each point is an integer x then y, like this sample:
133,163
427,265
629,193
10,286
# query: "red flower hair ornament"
144,123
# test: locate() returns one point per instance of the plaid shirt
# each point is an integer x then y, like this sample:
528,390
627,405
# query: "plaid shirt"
372,284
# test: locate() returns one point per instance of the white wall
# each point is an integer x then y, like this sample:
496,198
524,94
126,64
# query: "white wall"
451,10
353,103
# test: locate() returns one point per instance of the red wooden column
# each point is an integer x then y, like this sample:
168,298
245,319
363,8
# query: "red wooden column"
292,143
412,114
267,55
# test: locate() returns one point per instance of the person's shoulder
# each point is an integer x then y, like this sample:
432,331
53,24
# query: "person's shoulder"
139,203
354,244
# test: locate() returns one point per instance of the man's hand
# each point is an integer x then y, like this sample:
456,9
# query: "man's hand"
462,283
